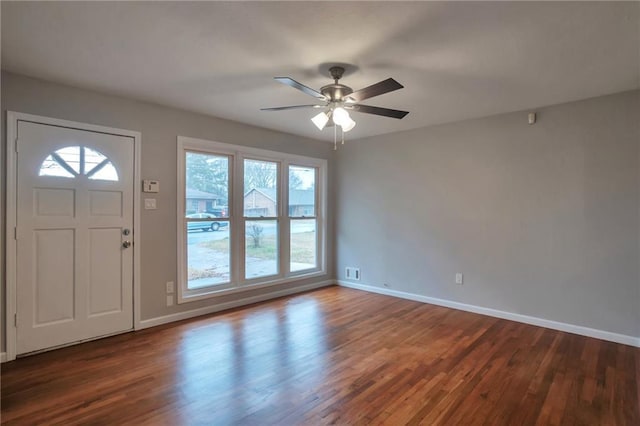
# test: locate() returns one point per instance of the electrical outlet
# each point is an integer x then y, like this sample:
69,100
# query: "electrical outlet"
169,300
459,278
169,287
352,273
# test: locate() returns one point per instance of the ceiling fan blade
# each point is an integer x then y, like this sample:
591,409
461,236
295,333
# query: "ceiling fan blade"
380,88
308,90
282,108
386,112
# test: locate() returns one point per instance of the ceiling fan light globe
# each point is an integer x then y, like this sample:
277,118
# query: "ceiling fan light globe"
320,120
340,116
350,124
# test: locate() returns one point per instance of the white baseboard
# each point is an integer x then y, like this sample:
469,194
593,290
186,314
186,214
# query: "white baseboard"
3,357
228,305
541,322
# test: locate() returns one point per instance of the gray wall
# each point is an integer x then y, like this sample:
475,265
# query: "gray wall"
159,127
543,220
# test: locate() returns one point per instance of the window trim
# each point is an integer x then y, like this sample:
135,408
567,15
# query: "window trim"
289,218
237,154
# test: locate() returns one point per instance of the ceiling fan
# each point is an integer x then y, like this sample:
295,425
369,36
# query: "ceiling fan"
337,99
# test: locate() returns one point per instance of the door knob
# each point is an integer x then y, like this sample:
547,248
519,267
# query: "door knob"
126,244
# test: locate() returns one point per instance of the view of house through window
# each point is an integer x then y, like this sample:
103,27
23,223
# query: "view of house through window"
303,241
234,230
261,233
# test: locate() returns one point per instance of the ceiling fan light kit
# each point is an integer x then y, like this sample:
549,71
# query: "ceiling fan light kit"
340,116
348,125
320,120
338,99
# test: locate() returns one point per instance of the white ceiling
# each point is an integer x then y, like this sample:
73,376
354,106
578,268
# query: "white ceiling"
456,60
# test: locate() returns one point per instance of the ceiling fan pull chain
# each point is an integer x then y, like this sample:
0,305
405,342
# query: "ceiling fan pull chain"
342,132
335,137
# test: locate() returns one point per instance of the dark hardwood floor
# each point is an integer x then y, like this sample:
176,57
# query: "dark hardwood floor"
332,356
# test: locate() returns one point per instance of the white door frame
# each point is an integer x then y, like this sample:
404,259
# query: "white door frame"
10,210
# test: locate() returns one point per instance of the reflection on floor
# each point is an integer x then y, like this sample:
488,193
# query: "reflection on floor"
331,356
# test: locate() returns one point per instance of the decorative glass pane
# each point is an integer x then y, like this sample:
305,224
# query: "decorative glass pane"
107,172
260,188
71,157
92,159
303,244
302,193
72,161
207,185
261,248
51,167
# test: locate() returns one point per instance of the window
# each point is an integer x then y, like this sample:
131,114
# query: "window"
73,161
207,228
303,243
261,218
247,218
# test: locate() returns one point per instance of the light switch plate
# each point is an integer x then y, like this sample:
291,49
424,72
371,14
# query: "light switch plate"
149,203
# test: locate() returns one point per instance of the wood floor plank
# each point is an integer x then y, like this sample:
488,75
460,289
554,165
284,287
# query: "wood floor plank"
331,356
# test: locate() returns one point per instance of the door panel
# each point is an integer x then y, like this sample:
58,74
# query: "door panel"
54,202
105,203
53,275
105,289
74,277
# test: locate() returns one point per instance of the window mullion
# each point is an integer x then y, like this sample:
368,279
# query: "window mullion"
285,232
238,260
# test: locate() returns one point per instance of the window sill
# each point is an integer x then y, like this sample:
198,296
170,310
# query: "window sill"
247,287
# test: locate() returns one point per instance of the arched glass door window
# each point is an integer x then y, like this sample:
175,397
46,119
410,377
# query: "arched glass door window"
72,161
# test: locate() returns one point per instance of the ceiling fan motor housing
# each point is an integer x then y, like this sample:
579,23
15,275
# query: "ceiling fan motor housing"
336,92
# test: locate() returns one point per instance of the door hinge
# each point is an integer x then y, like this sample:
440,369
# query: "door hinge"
15,232
16,146
15,320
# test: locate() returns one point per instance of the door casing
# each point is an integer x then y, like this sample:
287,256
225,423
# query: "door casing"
13,118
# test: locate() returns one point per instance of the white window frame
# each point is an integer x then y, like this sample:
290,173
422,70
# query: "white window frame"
317,202
237,155
277,218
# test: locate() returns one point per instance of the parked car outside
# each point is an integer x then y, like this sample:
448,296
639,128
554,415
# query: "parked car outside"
204,225
220,211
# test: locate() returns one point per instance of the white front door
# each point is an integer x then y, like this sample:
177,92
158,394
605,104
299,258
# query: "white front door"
74,265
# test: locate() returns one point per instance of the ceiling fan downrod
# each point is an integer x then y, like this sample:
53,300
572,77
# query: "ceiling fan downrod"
336,73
